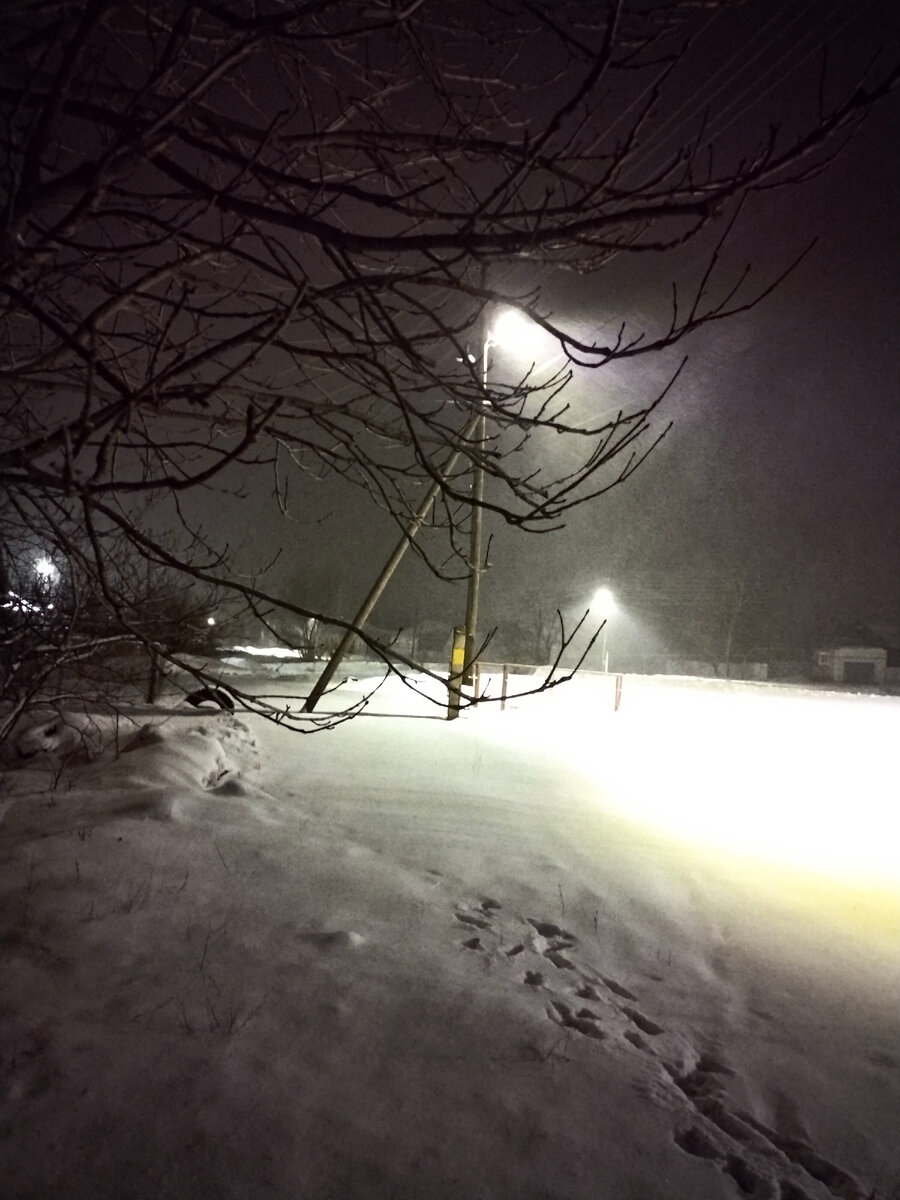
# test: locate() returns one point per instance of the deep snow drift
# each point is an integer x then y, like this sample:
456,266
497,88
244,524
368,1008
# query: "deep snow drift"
558,951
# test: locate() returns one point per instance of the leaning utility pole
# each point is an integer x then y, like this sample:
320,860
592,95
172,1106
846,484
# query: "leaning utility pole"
409,534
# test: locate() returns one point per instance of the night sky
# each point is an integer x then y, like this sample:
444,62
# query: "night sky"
768,509
781,471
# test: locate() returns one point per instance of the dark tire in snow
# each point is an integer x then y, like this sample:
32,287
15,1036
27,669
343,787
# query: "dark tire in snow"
210,695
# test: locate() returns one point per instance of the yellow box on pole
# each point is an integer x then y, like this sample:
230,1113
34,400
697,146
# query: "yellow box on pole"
457,666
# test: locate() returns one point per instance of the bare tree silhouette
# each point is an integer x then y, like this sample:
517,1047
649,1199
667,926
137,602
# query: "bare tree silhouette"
264,237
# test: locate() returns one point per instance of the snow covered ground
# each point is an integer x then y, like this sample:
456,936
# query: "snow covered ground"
553,952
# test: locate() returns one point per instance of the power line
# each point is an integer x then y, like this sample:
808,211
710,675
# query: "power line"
818,32
794,65
690,105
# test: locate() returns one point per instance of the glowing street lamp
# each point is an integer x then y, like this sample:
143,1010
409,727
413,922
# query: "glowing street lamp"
47,574
46,570
513,332
605,604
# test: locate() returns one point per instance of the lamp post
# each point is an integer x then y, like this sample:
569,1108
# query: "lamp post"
475,430
509,330
605,603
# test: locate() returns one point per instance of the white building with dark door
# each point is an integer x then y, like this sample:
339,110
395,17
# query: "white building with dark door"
860,665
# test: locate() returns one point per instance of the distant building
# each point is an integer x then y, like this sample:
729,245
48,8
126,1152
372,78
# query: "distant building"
864,665
859,654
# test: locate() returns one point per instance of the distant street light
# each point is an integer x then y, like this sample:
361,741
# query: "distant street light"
47,574
46,570
605,604
513,332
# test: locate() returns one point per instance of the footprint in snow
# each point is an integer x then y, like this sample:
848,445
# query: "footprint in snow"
643,1023
556,944
470,919
764,1163
477,917
584,1021
618,989
548,930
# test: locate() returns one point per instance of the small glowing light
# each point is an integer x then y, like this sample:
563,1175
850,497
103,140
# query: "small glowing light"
210,620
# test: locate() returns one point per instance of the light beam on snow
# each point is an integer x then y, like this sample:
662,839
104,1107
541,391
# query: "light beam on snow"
788,777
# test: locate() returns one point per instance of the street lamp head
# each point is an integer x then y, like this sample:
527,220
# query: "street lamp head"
46,569
512,331
604,601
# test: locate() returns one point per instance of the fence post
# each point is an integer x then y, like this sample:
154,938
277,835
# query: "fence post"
505,685
618,692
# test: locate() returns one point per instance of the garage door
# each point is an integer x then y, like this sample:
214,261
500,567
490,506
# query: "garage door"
859,672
